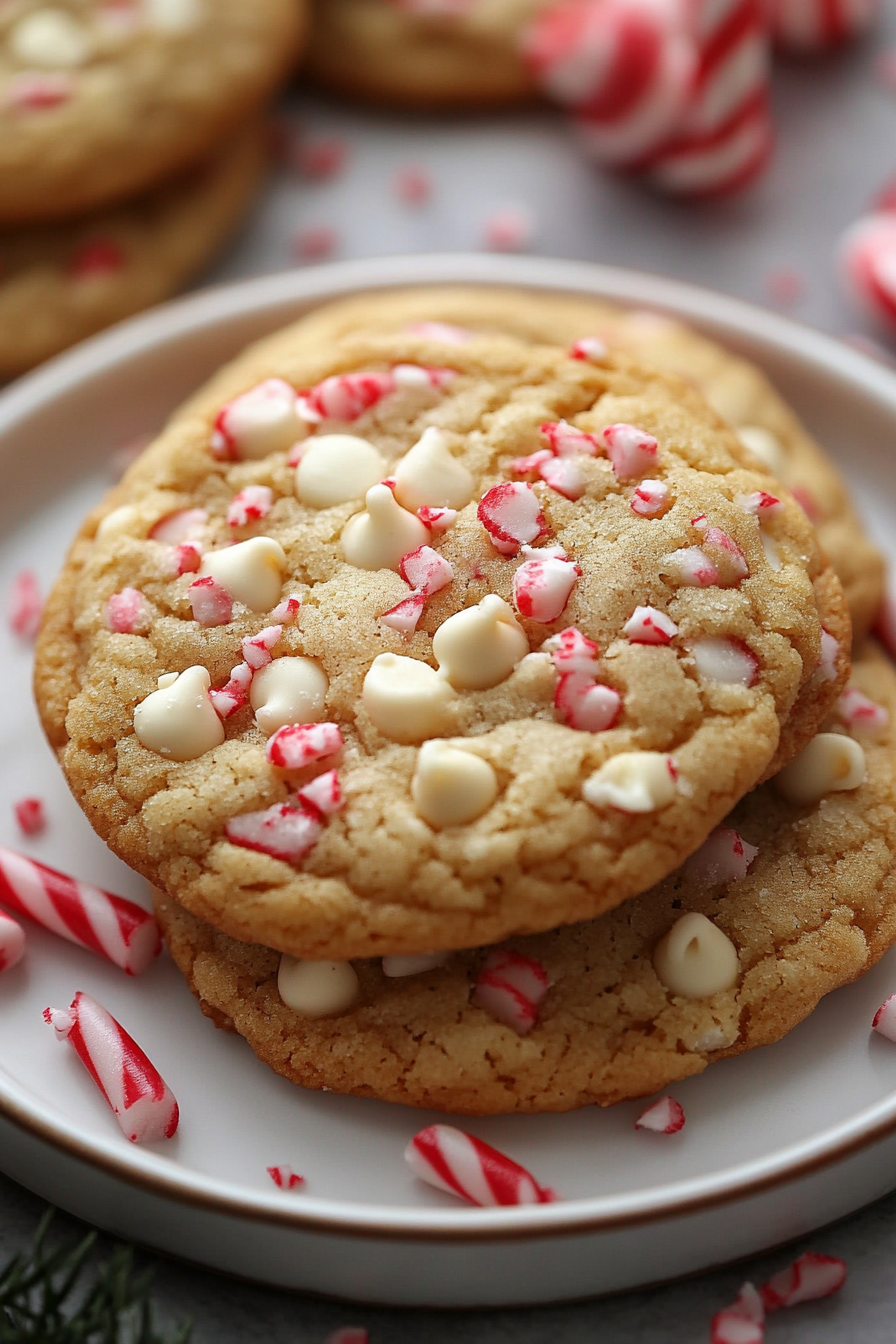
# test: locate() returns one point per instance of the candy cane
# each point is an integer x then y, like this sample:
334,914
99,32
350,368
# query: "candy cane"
284,1177
143,1103
12,942
461,1165
809,26
117,929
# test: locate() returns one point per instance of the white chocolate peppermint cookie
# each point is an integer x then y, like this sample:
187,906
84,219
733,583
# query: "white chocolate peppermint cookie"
103,99
445,724
781,905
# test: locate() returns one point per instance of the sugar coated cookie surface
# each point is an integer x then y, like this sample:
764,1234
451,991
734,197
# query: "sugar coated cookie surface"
508,684
785,903
737,389
102,100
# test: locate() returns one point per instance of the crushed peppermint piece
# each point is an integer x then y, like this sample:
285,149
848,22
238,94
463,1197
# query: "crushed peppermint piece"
187,558
30,815
543,584
663,1117
100,257
413,186
437,520
299,744
830,656
126,612
511,229
404,617
511,513
742,1322
212,605
26,605
183,525
315,242
760,503
281,831
650,499
809,1278
580,700
589,348
862,714
691,567
631,451
511,988
723,857
257,648
253,503
885,1018
646,625
324,794
287,610
464,1166
284,1177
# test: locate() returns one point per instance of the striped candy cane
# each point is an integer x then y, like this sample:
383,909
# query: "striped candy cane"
461,1165
12,942
117,929
808,26
144,1104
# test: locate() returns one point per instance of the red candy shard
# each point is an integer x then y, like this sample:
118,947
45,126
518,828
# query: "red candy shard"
180,526
723,857
284,1177
414,187
117,929
580,701
102,256
692,568
26,604
126,612
12,942
252,503
809,1278
542,586
321,158
446,332
464,1166
143,1103
761,503
885,1018
345,396
264,415
283,832
235,694
405,615
511,988
511,514
646,625
212,605
565,476
257,648
742,1322
187,558
30,91
589,348
425,570
830,655
665,1116
287,610
300,744
567,441
650,499
631,451
862,714
323,794
30,815
727,555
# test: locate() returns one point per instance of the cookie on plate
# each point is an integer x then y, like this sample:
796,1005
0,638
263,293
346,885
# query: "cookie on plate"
789,901
442,55
737,389
62,282
100,101
568,569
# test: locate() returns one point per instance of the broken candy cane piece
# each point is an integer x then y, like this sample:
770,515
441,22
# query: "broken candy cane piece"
696,959
810,1277
425,571
284,1177
650,499
117,929
143,1103
646,625
511,988
179,526
446,332
564,475
437,520
633,781
464,1166
885,1018
126,612
630,450
862,714
663,1117
589,348
831,763
829,657
571,651
235,694
30,91
12,942
323,794
742,1322
26,604
187,558
567,441
726,660
511,514
396,968
283,832
543,584
727,555
258,422
579,699
257,648
347,396
299,744
287,610
405,615
250,505
30,815
760,503
724,857
210,603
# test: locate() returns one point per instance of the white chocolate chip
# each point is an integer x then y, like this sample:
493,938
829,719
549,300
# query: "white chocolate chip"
407,700
335,468
51,39
696,959
383,533
633,781
480,647
178,720
451,786
317,988
119,521
765,445
173,16
831,763
428,475
251,571
396,968
288,690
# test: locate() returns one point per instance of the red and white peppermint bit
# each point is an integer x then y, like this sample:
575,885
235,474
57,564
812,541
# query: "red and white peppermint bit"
867,255
180,526
26,604
235,694
29,91
266,413
143,1103
12,942
567,441
323,794
589,348
348,1334
30,815
564,475
809,1278
300,744
571,651
96,258
691,567
211,603
437,520
630,450
283,832
650,499
117,929
663,1117
862,714
580,701
345,396
722,161
511,514
885,1018
314,243
446,332
257,648
511,229
646,625
730,661
414,187
284,1177
464,1166
723,857
542,586
187,558
425,570
760,503
742,1322
125,612
727,555
287,610
808,26
251,504
404,617
830,655
511,988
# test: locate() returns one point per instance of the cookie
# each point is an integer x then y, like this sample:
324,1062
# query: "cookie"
101,101
62,282
737,389
420,55
607,694
811,910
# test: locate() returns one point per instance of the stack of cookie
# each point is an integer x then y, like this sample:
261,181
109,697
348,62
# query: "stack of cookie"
480,703
130,145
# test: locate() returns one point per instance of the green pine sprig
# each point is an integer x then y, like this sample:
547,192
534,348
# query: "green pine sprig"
56,1296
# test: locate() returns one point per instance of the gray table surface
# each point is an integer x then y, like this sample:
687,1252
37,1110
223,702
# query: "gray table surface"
836,148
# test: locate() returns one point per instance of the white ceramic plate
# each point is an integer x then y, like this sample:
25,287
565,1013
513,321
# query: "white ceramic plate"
776,1142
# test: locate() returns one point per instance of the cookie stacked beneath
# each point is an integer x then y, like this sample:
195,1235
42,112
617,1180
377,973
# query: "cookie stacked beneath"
413,643
130,146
